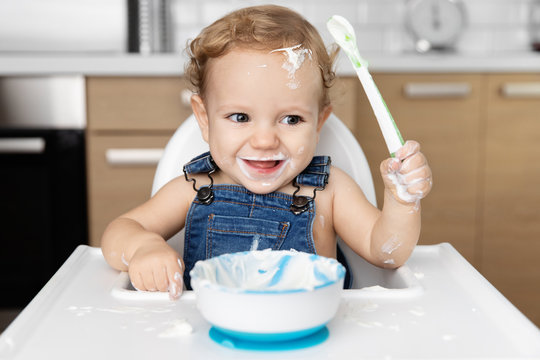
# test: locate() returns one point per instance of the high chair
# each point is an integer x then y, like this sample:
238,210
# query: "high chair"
336,141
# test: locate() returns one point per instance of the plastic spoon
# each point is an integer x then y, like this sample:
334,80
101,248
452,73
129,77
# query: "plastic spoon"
343,33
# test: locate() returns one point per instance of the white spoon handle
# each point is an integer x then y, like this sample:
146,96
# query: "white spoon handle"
390,132
343,32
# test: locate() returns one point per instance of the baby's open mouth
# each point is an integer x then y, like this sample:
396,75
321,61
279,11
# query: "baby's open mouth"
263,164
267,168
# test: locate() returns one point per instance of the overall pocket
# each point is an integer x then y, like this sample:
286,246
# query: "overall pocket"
228,234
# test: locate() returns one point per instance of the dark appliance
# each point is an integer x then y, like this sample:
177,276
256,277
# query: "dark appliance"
43,215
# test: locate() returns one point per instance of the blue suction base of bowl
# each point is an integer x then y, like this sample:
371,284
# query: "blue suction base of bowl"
269,342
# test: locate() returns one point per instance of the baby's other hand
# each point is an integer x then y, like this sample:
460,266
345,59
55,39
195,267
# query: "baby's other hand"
157,267
407,176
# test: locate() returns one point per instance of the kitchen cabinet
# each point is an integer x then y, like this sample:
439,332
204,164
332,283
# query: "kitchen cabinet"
480,134
129,120
443,113
511,211
117,183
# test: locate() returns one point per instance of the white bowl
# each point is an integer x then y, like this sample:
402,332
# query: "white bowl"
268,295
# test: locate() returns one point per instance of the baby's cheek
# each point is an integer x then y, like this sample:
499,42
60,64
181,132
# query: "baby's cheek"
292,165
222,160
226,161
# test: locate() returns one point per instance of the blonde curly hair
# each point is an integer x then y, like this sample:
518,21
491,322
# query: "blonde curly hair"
265,27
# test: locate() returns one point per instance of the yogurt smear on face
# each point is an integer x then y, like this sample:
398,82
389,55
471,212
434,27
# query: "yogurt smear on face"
264,168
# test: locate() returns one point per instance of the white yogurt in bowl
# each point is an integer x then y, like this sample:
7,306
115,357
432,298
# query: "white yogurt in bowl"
268,295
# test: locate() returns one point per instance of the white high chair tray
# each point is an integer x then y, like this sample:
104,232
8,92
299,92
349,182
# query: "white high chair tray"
438,306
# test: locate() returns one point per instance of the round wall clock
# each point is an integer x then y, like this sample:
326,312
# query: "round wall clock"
435,24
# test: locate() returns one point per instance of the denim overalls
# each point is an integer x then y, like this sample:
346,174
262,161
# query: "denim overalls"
226,218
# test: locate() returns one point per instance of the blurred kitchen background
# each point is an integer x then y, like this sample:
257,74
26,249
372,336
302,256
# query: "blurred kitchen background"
166,25
90,91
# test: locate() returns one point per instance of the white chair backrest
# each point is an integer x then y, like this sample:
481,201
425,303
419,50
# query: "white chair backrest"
336,140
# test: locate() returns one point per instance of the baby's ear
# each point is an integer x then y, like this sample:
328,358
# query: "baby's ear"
199,110
323,115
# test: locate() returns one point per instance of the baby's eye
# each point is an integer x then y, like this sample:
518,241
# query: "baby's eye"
239,117
291,120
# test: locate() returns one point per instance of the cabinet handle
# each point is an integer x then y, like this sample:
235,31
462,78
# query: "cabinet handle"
521,90
22,145
437,90
119,157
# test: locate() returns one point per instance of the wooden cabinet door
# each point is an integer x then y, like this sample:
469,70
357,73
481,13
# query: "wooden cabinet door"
443,113
137,103
117,181
129,120
511,222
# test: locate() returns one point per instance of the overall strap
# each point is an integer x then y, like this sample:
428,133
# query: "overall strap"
200,164
316,173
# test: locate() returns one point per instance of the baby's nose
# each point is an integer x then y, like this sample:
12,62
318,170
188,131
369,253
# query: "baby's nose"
264,138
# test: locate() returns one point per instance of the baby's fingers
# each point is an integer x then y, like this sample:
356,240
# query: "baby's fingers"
417,175
390,165
420,188
142,281
408,149
160,279
413,162
136,281
409,180
175,279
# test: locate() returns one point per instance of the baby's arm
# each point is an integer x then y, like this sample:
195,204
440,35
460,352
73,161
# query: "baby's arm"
385,238
135,241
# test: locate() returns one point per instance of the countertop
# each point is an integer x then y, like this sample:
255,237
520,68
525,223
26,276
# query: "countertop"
88,311
121,64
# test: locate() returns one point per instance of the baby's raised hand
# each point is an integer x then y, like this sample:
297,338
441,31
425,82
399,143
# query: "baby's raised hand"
157,267
408,175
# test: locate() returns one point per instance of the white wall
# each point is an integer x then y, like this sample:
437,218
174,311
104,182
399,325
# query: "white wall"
101,25
493,25
63,25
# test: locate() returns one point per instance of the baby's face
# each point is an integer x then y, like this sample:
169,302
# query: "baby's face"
263,116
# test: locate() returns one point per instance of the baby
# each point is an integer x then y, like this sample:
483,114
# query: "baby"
262,76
